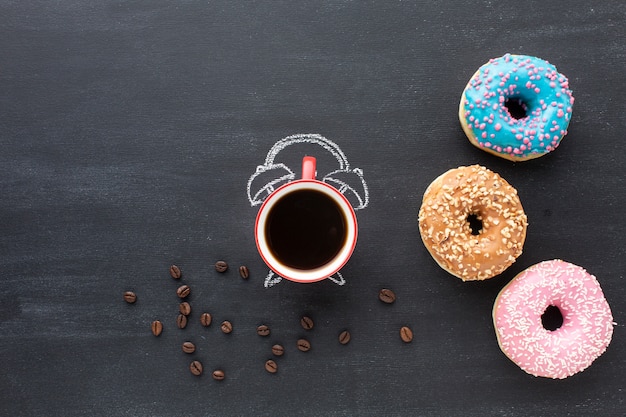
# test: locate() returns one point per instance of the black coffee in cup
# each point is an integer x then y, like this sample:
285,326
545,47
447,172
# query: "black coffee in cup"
305,229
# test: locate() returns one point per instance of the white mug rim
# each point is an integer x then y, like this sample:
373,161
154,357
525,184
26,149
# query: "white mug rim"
326,270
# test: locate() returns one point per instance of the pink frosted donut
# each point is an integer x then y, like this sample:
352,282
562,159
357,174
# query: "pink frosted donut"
587,320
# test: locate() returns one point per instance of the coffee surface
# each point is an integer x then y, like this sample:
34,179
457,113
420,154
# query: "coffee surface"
306,229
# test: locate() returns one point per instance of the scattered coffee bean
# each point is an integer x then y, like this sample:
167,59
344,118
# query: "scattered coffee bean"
218,375
386,296
227,326
304,345
183,291
221,266
196,368
406,334
157,327
344,337
278,350
271,367
205,319
244,272
130,297
306,323
185,308
189,347
263,330
181,321
175,272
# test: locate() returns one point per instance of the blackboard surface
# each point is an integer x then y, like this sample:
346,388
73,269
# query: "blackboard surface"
128,133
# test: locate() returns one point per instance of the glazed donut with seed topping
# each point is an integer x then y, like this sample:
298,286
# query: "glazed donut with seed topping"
472,223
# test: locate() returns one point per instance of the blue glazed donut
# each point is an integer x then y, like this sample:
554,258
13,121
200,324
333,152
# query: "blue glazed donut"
517,107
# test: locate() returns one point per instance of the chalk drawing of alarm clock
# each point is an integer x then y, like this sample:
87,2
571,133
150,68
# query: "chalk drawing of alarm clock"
271,175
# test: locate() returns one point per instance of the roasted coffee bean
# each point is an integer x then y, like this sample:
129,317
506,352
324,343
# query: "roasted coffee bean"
244,272
181,321
205,319
184,308
189,347
306,323
263,330
196,368
175,272
157,327
227,326
221,266
386,296
183,291
278,350
218,375
271,367
304,345
406,334
344,337
130,297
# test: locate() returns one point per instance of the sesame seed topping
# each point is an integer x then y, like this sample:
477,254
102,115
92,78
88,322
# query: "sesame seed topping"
446,232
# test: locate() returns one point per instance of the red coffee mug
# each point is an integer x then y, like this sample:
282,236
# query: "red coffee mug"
306,230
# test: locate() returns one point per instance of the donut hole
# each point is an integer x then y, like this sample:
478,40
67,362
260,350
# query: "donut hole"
475,223
516,107
552,318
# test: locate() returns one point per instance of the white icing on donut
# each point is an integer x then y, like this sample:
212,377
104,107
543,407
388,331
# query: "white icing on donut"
587,320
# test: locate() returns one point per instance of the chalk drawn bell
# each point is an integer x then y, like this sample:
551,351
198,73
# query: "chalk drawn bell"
351,185
266,179
271,176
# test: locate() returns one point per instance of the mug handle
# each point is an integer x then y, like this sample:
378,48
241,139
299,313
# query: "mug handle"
308,168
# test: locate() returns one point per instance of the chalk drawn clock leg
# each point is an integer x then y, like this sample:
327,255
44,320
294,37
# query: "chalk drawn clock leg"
273,173
273,279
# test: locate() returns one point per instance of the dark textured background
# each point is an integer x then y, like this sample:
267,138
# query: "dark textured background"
128,131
